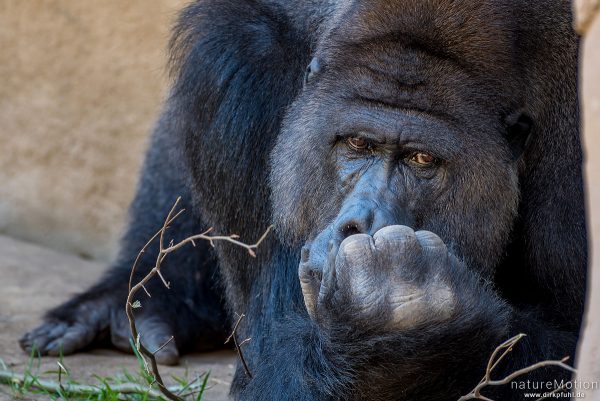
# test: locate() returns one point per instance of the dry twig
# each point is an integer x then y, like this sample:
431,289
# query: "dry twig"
503,350
238,346
148,355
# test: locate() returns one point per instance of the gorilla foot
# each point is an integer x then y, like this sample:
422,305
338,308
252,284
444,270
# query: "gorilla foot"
397,275
55,336
90,322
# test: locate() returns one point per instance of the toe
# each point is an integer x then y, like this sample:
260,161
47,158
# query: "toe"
39,338
157,336
168,355
75,337
120,331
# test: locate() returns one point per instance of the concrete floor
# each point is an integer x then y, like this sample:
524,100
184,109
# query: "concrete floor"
33,279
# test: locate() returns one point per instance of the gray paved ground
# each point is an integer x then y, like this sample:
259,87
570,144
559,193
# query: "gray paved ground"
33,279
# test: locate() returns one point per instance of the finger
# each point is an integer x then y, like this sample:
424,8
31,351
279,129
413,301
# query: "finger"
430,241
396,245
399,248
356,266
310,285
328,279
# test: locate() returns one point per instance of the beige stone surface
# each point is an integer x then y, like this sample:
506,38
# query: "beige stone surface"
588,360
585,10
80,86
33,279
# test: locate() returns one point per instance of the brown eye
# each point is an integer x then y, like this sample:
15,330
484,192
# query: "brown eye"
422,159
358,143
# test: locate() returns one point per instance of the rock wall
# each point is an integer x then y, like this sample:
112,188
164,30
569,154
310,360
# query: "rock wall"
588,24
80,87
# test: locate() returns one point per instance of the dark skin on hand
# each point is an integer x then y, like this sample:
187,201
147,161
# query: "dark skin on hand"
424,177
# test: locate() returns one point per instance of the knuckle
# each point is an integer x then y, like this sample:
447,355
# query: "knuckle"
356,245
427,239
398,236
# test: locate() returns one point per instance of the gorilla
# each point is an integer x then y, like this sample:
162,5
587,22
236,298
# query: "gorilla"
423,174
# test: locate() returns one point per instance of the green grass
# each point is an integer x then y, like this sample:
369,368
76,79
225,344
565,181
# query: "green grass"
125,386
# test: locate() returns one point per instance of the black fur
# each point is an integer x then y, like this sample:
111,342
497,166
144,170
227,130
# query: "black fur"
250,136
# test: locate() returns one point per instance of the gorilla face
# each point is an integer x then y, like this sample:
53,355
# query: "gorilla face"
368,145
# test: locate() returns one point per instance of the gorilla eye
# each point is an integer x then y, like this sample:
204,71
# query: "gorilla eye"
422,159
357,143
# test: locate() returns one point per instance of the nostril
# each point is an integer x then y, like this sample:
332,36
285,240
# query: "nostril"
350,229
354,219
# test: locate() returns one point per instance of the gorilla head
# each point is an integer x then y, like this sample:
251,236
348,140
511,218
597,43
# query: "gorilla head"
404,126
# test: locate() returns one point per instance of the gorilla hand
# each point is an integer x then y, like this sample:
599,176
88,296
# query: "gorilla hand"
397,277
83,322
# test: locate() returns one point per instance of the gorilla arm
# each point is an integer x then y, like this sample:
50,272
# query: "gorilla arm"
388,312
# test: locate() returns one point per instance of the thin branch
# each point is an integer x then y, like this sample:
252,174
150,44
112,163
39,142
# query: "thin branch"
231,238
150,241
164,345
505,348
162,278
535,366
238,346
163,251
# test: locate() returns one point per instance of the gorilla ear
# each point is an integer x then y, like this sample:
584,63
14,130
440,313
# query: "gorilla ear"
518,130
313,68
